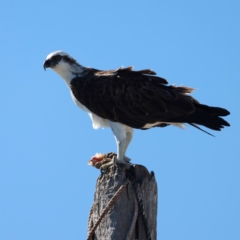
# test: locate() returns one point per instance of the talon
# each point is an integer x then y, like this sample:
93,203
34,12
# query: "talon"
105,166
114,161
104,161
119,161
127,159
126,163
98,160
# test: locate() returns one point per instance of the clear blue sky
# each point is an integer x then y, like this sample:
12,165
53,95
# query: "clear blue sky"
46,186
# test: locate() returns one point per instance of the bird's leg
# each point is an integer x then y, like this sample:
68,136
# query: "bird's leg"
123,136
121,146
128,140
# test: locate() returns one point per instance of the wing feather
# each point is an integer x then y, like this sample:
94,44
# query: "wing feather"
136,98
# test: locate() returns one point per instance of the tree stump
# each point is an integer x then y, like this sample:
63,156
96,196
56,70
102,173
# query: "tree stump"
118,219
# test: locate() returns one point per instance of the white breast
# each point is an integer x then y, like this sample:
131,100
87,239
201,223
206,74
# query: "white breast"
97,122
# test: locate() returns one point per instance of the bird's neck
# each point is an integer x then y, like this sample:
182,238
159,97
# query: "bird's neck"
68,72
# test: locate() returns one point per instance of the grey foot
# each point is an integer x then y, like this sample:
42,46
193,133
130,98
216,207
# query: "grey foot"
127,159
115,160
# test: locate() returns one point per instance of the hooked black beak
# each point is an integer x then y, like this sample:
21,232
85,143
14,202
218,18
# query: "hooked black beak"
47,64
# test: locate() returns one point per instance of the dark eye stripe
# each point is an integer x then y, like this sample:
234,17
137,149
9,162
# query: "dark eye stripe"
68,59
57,58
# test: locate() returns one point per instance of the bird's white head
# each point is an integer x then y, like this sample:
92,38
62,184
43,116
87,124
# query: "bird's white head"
63,64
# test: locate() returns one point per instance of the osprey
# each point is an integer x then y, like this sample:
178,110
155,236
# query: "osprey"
124,99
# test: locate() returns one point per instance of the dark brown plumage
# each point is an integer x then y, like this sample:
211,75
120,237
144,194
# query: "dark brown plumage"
137,98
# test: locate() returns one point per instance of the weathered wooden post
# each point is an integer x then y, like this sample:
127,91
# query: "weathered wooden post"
125,205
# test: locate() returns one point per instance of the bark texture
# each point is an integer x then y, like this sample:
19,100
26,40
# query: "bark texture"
116,223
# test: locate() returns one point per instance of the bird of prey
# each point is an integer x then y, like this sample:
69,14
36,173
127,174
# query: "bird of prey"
124,99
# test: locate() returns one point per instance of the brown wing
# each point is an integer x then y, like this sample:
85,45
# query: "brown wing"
136,98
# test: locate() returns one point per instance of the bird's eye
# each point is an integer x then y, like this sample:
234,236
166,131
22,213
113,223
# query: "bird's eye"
58,58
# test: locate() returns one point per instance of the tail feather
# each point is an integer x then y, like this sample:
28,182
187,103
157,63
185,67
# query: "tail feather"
215,111
209,117
196,126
